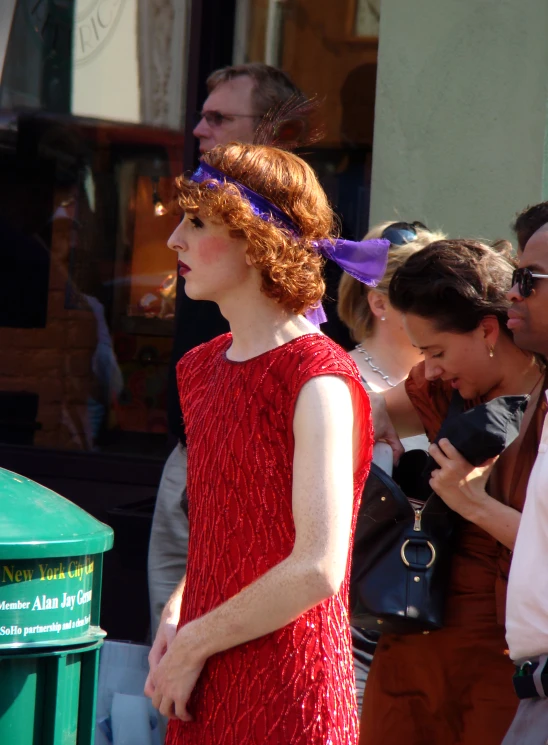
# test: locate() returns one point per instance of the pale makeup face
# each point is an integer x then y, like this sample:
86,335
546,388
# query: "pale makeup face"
233,99
528,317
462,359
212,262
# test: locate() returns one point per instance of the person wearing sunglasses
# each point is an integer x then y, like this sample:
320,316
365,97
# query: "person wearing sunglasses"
239,96
527,601
524,280
454,685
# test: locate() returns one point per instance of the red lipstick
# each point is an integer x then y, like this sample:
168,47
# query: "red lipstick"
183,268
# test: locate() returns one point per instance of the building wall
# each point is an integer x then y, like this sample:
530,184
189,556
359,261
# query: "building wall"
460,121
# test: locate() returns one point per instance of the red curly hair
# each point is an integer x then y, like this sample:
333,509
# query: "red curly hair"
290,266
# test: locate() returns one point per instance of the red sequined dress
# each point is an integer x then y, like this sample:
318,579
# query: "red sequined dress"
294,686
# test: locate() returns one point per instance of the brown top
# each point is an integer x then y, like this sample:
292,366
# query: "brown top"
431,400
454,685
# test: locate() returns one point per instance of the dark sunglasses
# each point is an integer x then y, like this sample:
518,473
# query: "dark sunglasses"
400,233
525,280
216,119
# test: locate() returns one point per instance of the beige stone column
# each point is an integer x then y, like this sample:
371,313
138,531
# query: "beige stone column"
461,113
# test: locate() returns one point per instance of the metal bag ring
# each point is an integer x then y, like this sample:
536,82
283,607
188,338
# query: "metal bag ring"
430,546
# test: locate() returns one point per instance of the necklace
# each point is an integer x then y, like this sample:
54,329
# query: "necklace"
365,354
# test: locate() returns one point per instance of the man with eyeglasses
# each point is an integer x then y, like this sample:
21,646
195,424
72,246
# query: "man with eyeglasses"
239,96
527,599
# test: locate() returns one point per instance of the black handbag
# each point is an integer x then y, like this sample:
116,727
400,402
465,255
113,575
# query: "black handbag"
402,555
404,534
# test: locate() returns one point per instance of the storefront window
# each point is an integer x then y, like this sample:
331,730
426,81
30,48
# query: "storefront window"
92,103
88,284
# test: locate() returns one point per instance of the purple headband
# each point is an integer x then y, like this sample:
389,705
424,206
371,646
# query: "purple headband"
261,207
363,260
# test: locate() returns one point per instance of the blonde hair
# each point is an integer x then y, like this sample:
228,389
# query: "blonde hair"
353,306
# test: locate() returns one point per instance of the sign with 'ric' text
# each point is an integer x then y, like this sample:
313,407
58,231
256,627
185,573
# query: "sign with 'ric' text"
45,601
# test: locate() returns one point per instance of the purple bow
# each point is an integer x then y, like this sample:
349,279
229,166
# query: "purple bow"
363,260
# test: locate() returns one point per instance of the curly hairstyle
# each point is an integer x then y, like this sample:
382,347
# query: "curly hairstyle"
455,284
352,306
290,266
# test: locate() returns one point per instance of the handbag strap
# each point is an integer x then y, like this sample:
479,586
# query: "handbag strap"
456,405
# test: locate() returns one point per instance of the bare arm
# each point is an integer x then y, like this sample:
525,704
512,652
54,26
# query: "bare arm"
322,502
394,416
462,487
402,413
497,519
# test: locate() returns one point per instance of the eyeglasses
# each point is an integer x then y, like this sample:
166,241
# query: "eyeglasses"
525,280
216,119
400,233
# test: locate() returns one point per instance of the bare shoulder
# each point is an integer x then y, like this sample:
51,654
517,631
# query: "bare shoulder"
324,397
326,388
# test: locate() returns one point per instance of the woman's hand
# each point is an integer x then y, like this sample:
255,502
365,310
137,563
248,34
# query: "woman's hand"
175,676
457,482
382,425
462,487
167,631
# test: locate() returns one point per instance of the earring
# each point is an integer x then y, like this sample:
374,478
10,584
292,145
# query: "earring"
491,351
383,318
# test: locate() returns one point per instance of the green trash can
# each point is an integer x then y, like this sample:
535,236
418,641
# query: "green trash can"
51,559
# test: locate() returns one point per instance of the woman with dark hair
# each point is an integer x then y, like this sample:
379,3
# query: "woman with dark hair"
453,686
279,443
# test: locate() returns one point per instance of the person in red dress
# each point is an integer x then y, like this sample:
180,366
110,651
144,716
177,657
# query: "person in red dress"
254,646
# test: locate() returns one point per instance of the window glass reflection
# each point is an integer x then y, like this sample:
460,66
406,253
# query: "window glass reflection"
86,325
91,111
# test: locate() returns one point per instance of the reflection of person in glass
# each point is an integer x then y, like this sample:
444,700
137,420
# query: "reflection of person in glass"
91,375
108,378
279,443
105,377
